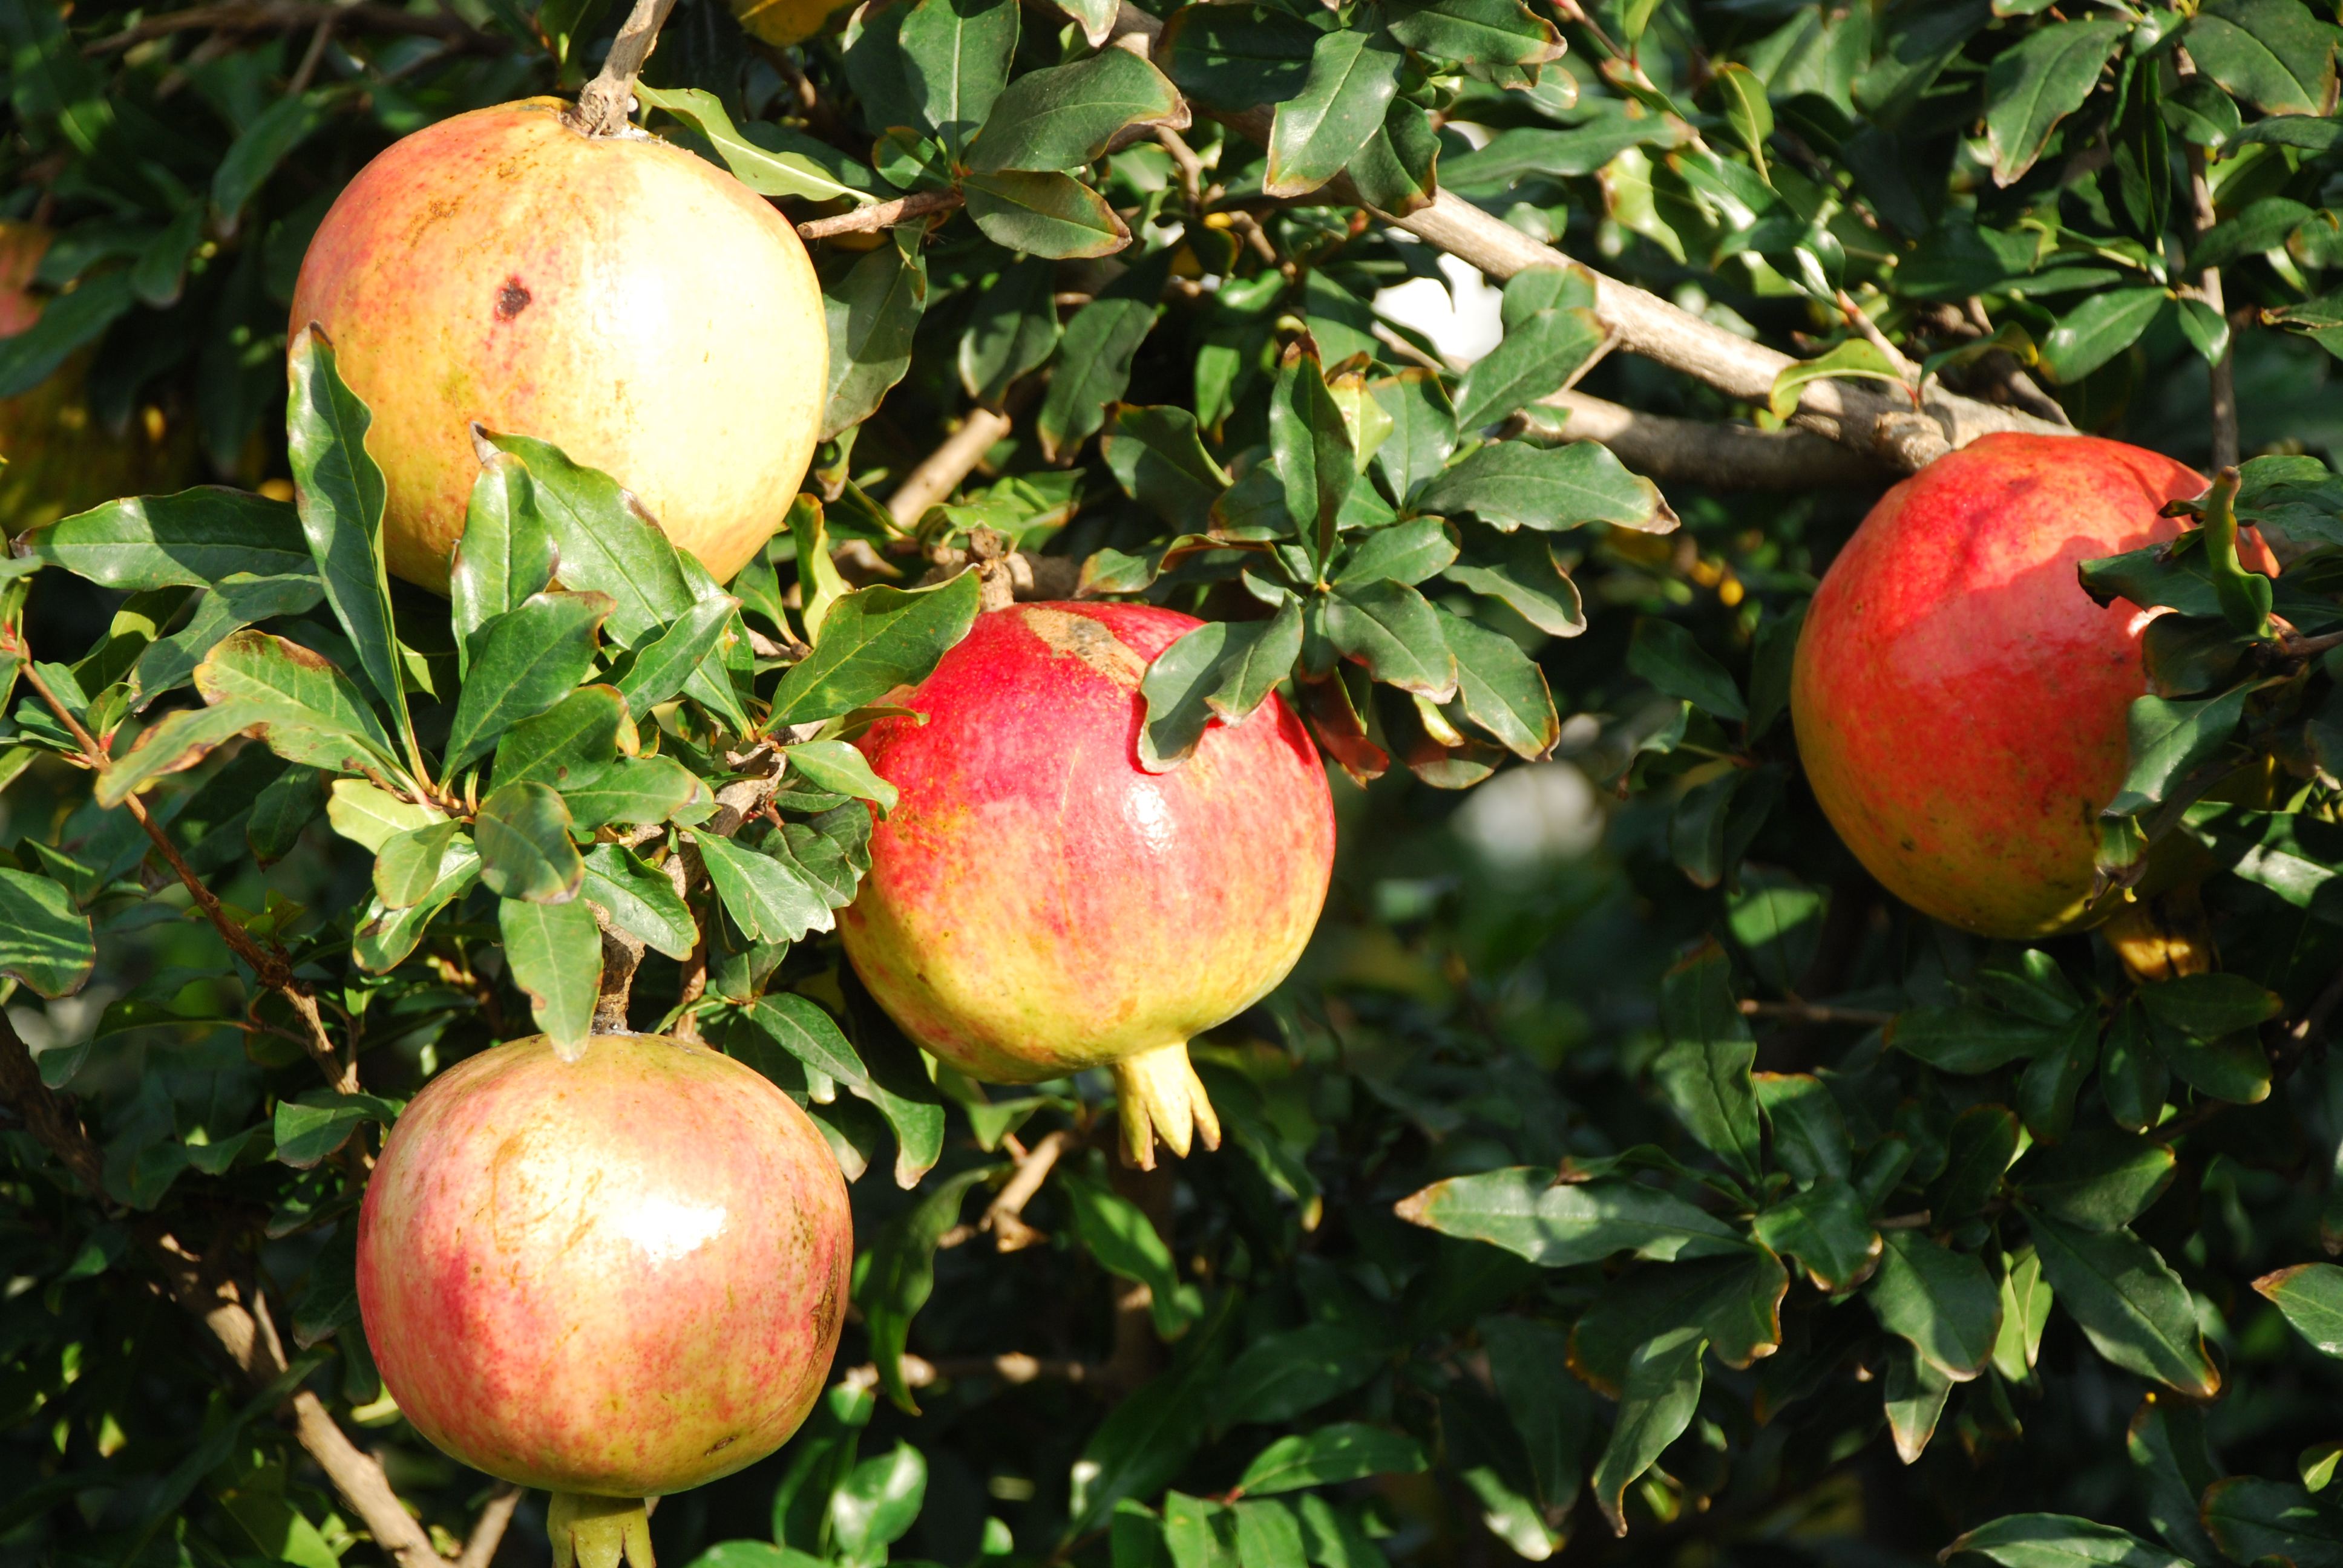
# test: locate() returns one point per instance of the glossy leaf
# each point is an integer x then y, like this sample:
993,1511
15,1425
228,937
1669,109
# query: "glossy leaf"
1514,485
2129,1302
1555,1224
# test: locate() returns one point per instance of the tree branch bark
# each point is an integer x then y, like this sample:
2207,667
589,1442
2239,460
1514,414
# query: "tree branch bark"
296,16
609,101
1852,413
1721,456
881,215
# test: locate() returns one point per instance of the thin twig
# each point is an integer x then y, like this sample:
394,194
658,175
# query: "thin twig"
310,57
295,15
489,1530
881,215
1812,1012
1003,1215
609,101
269,968
940,473
2221,374
1191,168
1015,1367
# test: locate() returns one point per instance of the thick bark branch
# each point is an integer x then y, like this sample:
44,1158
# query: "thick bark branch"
609,101
941,474
881,215
1852,413
1721,456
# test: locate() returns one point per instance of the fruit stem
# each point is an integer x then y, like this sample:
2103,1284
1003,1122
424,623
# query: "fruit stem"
1158,1092
609,101
598,1532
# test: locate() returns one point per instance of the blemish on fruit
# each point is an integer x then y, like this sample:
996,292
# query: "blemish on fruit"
1084,639
511,299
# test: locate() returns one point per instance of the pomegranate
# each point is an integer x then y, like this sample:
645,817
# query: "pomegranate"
610,1278
1959,699
1038,904
61,457
630,303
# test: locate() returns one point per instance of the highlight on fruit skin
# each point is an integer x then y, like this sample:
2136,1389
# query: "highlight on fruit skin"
618,297
1038,904
1960,702
611,1278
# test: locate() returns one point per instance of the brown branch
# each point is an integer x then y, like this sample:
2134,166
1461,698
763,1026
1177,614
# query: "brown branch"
2221,374
1852,413
489,1530
297,15
1718,456
881,215
609,101
269,968
245,1333
940,473
1015,1367
1003,1215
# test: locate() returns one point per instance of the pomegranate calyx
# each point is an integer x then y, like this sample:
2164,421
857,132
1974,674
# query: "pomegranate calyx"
598,1532
1158,1092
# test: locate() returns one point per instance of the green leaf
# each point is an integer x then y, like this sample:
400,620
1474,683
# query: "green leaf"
1220,670
1423,428
1704,1071
638,899
1237,56
2026,1302
1536,356
554,953
1511,485
569,743
1978,1149
1347,1451
67,323
522,833
1396,171
192,539
1857,358
2098,1180
777,162
263,145
1520,571
231,604
1825,1229
530,658
1095,354
901,1275
340,495
2129,1302
412,864
2209,1005
1393,631
872,311
1011,331
1503,689
1661,1395
45,941
1064,117
1965,1039
371,817
1810,1136
2170,740
2271,53
1044,213
311,711
1406,552
2101,328
876,1504
1735,1301
836,766
312,1127
771,895
872,641
2257,1520
2311,1297
1477,32
2060,1540
665,664
1942,1301
1311,450
1282,1376
956,61
1914,1398
1159,458
506,555
1526,1211
2039,82
1117,1233
1667,655
1353,75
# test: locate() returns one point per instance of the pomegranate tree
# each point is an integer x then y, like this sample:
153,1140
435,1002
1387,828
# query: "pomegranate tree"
1039,903
610,1278
626,301
1959,699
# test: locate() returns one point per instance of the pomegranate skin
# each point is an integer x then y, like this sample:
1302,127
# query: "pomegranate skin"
1037,902
622,1276
618,297
1959,699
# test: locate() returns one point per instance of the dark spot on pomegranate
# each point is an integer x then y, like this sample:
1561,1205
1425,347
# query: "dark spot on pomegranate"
511,299
721,1443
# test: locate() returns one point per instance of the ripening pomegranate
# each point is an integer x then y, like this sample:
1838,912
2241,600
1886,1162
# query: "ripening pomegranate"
1038,904
620,298
1960,700
610,1278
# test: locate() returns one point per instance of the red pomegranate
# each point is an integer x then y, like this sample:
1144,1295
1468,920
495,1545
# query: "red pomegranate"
1037,903
610,1278
1959,699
